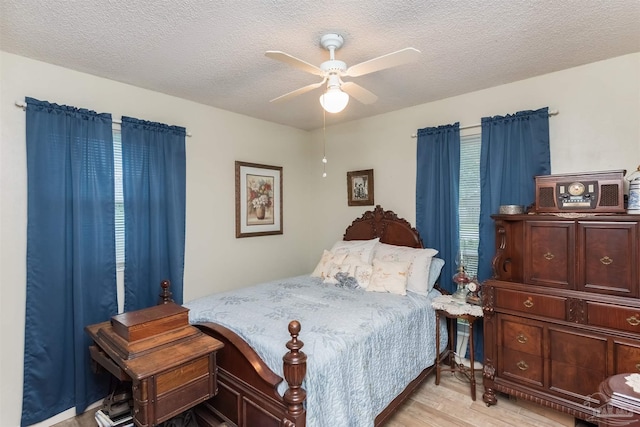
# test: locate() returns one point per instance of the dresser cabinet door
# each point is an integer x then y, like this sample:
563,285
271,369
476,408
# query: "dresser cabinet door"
607,258
577,362
550,253
626,357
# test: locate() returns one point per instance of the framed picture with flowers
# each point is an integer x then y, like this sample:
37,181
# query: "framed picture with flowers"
258,199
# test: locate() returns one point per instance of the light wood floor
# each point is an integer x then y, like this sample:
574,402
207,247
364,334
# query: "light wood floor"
450,404
446,405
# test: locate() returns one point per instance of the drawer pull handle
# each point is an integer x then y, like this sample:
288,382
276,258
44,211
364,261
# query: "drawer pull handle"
521,339
606,260
548,256
637,366
522,365
633,320
528,303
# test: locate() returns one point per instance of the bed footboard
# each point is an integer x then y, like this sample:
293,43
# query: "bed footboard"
247,389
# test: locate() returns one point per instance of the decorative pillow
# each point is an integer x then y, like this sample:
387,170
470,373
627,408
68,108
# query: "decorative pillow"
420,260
333,271
363,275
389,276
327,258
363,248
434,271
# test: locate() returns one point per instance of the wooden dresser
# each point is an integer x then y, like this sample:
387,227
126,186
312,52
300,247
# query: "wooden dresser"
562,312
171,364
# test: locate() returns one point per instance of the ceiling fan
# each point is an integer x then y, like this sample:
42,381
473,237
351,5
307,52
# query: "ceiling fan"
336,97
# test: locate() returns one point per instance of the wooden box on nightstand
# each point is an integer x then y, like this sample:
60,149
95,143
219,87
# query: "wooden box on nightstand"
171,364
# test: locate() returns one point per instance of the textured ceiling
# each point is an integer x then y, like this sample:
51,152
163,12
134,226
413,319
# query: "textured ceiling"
212,52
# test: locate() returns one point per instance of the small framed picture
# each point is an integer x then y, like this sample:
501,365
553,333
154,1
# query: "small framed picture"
258,199
360,187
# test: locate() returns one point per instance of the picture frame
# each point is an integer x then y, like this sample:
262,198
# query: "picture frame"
258,199
360,188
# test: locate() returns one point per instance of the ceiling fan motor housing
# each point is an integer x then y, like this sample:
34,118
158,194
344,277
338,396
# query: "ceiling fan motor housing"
333,67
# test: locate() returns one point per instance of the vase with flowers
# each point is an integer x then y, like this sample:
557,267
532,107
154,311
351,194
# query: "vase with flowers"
260,195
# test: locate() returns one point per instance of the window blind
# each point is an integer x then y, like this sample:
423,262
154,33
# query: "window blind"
469,200
119,202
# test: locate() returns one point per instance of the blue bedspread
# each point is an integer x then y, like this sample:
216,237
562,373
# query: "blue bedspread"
363,347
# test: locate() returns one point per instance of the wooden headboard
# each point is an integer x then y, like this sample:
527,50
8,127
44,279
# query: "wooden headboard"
387,226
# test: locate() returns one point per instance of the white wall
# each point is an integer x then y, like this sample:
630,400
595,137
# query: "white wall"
598,128
214,259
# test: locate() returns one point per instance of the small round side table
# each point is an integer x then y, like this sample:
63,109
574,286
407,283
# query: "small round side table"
453,309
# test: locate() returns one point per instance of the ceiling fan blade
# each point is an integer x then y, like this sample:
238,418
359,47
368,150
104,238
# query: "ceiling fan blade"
297,92
358,92
389,60
294,62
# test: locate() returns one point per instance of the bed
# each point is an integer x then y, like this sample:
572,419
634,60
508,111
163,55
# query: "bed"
355,367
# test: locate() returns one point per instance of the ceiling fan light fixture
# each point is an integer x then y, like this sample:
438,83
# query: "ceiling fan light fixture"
334,100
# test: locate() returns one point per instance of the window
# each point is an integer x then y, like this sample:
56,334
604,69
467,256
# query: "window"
469,202
117,159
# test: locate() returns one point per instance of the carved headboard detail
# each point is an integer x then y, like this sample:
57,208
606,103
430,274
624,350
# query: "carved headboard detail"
387,226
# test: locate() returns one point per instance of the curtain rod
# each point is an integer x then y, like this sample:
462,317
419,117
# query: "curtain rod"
23,105
477,125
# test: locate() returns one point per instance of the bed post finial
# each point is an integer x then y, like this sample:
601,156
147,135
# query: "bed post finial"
295,368
165,293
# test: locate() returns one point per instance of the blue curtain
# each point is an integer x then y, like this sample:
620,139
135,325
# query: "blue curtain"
437,181
71,264
154,189
515,148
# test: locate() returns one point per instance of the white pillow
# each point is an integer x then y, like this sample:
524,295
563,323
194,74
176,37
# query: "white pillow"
420,260
327,258
363,248
434,271
355,261
389,276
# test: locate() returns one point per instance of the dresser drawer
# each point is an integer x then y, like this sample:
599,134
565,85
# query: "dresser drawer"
521,337
613,316
525,367
531,303
626,357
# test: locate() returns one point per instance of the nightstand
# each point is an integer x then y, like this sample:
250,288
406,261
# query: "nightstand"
171,364
621,406
453,309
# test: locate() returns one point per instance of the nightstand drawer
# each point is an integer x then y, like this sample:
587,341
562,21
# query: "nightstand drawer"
168,381
522,366
613,316
520,337
180,399
531,303
168,393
